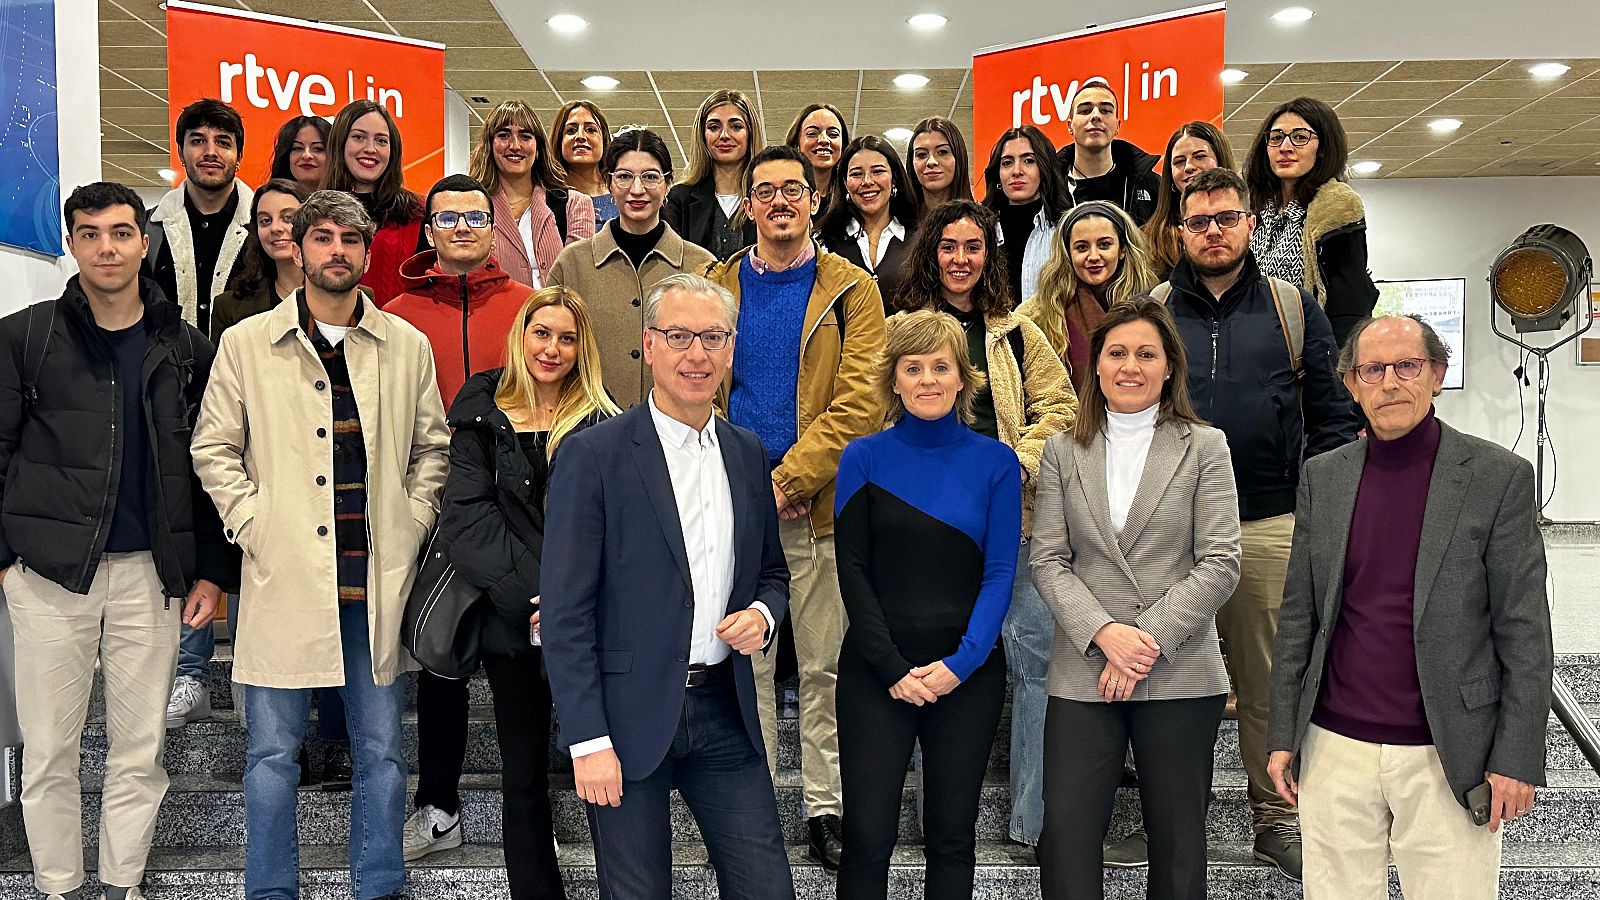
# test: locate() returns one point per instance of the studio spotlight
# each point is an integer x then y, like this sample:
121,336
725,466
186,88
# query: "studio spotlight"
1539,278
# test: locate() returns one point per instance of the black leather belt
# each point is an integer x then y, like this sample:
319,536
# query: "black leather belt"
702,676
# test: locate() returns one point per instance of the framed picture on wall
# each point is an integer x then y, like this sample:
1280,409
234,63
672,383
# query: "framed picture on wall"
1442,302
1589,344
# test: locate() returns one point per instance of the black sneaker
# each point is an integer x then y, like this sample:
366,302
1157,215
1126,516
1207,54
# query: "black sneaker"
1132,852
1279,845
336,767
826,845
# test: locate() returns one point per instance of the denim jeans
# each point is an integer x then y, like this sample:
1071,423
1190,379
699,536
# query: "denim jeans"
196,646
724,781
1028,633
277,719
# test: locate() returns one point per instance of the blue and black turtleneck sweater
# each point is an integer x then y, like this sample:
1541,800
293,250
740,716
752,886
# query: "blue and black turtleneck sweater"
928,517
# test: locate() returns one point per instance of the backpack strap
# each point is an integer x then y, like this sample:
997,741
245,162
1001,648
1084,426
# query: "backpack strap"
557,201
31,362
1292,319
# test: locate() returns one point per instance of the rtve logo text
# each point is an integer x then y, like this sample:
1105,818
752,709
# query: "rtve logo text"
1030,101
264,87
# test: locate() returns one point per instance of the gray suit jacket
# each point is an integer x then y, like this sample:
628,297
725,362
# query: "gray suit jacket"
1169,571
1481,622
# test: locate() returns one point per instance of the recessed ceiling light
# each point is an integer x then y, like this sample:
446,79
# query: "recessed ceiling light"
166,174
910,81
1445,126
1549,70
927,21
1366,167
567,23
600,82
1234,76
1292,15
898,135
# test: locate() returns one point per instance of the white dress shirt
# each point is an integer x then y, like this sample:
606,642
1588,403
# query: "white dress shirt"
1127,444
705,514
525,230
859,232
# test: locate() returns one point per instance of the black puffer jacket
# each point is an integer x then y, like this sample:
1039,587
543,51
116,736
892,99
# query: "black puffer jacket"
61,459
492,523
1241,381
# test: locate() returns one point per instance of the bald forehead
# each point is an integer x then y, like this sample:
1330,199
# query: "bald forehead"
1392,329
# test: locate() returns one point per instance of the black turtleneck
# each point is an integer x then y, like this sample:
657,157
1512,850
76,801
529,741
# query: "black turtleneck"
636,246
1016,223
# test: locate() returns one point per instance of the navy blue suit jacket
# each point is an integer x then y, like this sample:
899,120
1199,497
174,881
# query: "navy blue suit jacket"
616,600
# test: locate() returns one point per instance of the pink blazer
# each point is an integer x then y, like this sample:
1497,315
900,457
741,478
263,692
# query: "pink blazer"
512,254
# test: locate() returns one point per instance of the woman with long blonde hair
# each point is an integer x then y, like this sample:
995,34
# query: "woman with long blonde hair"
509,423
535,214
704,207
1098,260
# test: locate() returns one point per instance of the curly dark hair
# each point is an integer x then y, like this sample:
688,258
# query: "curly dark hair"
921,287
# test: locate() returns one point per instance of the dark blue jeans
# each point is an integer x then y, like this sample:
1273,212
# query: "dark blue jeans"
724,782
277,720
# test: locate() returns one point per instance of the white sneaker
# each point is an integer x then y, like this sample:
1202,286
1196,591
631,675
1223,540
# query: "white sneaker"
430,830
190,702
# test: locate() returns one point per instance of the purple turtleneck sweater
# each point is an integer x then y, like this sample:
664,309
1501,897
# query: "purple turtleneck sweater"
1370,691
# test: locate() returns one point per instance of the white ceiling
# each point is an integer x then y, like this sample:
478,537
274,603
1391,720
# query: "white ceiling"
850,34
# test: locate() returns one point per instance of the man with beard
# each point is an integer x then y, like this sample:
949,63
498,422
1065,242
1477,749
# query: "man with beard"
322,441
196,234
1261,368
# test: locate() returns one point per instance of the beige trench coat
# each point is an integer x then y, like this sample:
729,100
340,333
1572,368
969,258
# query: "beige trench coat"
263,450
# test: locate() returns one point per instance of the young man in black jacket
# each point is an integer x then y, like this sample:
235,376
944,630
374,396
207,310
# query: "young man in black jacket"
1097,166
104,524
1277,412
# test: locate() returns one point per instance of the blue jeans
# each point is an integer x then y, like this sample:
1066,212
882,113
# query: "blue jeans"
196,646
277,720
1028,633
724,781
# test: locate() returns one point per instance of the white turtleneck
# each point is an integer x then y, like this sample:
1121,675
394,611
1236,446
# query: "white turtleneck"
1127,444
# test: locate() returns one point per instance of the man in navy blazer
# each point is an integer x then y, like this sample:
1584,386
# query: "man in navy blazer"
662,573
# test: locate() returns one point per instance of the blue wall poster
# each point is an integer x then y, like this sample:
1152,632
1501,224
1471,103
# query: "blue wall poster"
30,159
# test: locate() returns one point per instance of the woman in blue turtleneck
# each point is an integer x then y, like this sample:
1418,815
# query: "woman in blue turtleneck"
928,517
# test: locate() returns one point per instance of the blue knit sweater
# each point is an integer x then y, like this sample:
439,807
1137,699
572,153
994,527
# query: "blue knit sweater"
766,357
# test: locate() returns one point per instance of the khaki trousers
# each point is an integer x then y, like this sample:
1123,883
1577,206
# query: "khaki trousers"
816,615
1248,624
129,624
1361,802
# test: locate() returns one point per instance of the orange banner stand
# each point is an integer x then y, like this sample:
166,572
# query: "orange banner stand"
1165,70
271,68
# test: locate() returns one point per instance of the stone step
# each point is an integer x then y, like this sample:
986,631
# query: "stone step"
1005,872
208,810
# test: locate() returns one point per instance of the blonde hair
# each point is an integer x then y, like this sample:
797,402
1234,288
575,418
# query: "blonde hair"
701,166
583,393
1059,282
917,334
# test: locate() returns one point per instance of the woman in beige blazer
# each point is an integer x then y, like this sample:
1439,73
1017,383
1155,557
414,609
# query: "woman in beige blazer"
1135,548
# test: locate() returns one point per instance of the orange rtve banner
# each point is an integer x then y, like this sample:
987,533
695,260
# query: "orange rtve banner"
1165,70
271,68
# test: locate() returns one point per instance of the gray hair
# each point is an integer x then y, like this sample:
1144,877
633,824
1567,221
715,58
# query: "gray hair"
692,284
1436,349
337,207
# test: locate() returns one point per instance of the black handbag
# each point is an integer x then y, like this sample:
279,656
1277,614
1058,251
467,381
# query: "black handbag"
442,626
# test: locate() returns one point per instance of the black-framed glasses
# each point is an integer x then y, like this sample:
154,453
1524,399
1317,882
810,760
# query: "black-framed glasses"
448,219
792,191
1299,137
681,338
650,178
1226,219
1406,369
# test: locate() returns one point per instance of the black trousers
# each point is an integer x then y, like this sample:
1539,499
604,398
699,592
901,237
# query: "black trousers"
876,735
1084,748
522,726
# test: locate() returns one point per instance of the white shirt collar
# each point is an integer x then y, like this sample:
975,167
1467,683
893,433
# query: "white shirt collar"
894,229
676,434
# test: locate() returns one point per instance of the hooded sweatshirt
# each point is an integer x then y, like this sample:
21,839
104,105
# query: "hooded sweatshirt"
1131,184
465,317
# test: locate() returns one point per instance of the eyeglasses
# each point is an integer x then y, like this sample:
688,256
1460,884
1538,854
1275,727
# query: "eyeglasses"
448,219
1226,219
792,191
1406,369
681,338
1298,137
652,179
